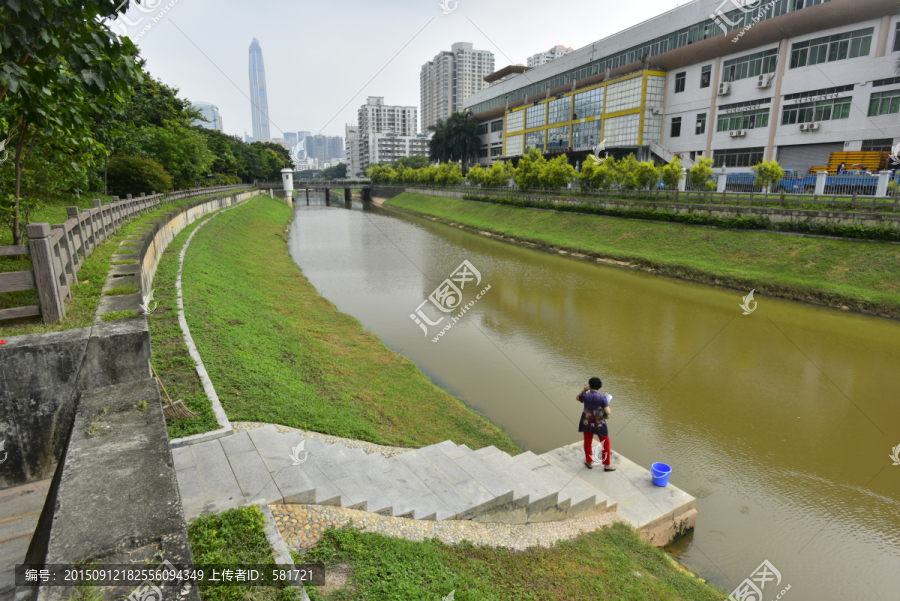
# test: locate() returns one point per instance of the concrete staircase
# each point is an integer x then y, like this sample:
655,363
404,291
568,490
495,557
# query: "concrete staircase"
667,155
439,482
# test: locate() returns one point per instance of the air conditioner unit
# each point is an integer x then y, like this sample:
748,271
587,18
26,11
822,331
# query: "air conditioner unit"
804,127
724,88
742,133
764,81
813,126
733,134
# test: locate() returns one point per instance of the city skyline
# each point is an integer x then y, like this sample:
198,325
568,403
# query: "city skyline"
205,57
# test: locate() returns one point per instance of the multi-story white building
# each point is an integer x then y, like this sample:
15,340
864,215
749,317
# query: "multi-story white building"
306,164
210,112
351,150
789,80
450,78
542,58
387,148
374,117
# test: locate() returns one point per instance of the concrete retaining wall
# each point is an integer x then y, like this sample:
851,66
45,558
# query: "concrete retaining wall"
43,375
775,215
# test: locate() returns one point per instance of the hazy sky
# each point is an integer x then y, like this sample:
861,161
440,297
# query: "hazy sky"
321,56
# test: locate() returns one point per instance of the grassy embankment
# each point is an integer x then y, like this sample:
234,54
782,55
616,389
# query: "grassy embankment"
864,276
278,352
611,563
80,309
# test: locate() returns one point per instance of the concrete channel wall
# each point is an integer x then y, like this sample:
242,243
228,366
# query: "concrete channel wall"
43,375
775,215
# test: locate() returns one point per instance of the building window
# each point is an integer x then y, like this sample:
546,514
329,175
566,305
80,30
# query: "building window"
559,110
588,104
748,119
514,121
482,153
558,137
497,125
676,127
535,116
514,145
586,135
832,48
701,124
750,65
535,139
679,82
482,129
497,151
737,157
884,82
821,110
896,38
884,103
705,76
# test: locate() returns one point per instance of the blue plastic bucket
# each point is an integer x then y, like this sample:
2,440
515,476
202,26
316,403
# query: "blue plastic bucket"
660,473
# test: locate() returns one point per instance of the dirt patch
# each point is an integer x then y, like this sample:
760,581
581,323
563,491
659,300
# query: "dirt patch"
337,578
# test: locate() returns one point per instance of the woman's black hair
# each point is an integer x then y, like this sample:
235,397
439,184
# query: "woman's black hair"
595,383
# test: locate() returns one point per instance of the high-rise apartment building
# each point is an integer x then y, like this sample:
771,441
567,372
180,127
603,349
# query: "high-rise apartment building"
541,58
351,149
324,148
210,112
451,77
374,117
291,138
259,104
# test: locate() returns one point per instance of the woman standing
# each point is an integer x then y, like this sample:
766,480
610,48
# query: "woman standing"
593,421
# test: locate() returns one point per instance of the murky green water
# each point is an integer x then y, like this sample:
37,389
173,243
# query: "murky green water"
780,422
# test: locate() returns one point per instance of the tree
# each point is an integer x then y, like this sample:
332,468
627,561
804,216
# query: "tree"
671,173
529,173
455,139
182,152
701,174
61,69
768,173
476,175
558,172
448,174
338,171
646,175
133,175
416,161
498,175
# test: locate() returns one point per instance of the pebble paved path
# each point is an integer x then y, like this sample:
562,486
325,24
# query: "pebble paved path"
350,443
302,527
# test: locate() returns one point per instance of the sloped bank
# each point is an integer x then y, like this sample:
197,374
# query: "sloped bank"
844,274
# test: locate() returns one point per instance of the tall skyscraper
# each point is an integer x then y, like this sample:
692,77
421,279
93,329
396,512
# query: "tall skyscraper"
259,102
324,148
451,77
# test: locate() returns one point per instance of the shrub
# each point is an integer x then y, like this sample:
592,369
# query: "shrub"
701,175
557,173
133,175
768,173
476,175
671,174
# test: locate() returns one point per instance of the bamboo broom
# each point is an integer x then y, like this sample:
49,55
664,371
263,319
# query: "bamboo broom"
174,410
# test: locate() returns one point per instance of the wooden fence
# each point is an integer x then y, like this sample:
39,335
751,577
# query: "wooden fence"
58,252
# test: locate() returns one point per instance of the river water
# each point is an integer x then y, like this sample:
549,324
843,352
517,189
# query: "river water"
780,422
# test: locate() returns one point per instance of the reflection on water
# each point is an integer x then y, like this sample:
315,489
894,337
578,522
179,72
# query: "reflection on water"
779,422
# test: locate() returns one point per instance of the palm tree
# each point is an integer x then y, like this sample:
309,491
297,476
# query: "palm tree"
455,139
